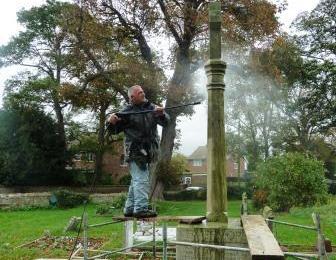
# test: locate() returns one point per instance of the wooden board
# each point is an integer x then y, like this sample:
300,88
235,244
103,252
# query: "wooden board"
261,241
181,219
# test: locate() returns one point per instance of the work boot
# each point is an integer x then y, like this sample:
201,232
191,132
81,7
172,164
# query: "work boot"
145,214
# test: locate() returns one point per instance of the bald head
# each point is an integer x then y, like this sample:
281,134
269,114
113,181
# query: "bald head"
136,94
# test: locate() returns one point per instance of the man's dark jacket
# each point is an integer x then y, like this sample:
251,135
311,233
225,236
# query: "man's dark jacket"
141,135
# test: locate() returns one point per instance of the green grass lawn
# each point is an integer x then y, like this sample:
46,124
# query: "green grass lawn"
18,227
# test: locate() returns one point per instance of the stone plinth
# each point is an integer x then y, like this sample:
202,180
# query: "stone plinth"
231,234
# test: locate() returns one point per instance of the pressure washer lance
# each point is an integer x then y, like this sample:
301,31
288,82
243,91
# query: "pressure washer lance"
123,115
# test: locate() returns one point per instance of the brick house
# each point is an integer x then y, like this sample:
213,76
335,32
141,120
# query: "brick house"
197,167
113,161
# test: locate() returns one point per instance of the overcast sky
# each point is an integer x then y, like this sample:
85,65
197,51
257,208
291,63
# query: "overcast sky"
193,130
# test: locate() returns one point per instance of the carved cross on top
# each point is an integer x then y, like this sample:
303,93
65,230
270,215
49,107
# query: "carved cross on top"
215,30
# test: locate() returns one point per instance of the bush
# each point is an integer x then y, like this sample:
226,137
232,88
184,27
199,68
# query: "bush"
119,202
125,180
185,195
234,191
104,210
67,199
259,199
31,151
291,180
106,179
332,188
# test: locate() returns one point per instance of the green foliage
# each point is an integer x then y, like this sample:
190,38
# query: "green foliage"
125,180
169,173
30,150
68,199
178,164
106,179
292,179
104,210
119,202
236,189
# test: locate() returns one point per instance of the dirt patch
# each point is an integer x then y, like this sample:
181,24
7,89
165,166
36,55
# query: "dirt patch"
63,242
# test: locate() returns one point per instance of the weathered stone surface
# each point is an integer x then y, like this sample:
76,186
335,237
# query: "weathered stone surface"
231,234
215,70
42,199
73,224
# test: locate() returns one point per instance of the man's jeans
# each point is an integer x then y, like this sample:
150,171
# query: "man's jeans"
137,198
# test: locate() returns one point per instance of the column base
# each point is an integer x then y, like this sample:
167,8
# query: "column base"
221,217
230,234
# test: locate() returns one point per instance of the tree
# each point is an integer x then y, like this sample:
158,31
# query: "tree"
42,45
252,93
31,153
170,173
304,129
102,60
318,47
185,23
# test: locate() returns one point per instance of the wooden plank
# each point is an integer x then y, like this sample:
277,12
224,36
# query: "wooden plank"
181,219
261,241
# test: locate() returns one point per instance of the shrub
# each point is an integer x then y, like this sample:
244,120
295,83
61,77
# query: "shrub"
106,179
259,198
291,180
31,152
332,188
67,199
104,210
119,202
235,191
125,180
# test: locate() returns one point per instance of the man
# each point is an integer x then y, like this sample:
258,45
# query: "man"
142,145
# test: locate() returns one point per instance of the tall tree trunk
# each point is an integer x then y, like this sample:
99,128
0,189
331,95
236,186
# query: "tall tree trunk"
179,81
101,142
265,134
239,156
60,128
166,150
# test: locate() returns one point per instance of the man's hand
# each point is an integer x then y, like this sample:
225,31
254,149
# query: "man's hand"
159,111
113,119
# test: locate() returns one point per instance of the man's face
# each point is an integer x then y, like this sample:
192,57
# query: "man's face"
138,96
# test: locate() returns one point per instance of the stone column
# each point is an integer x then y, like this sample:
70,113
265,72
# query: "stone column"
216,175
217,230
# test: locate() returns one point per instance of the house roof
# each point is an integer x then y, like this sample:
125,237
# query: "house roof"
199,154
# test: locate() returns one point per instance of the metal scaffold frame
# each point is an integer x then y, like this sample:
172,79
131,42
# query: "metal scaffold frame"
128,225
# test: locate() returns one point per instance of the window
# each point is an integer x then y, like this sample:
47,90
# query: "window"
90,157
197,162
235,166
77,156
123,162
85,156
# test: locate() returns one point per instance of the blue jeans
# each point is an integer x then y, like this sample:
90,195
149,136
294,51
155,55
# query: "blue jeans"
137,197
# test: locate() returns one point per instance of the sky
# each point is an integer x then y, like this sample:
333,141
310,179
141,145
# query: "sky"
193,129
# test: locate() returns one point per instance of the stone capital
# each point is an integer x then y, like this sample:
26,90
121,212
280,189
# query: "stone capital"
215,70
